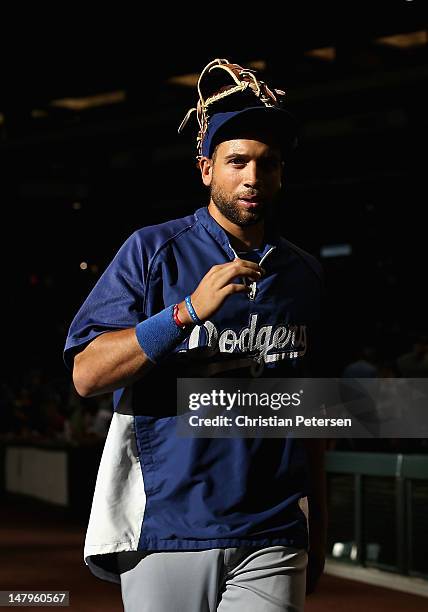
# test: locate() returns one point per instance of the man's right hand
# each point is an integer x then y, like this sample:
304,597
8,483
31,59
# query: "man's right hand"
216,286
115,359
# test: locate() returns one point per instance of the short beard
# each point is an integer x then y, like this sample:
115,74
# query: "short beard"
230,208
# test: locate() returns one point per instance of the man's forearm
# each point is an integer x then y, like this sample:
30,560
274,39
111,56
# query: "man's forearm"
112,360
116,359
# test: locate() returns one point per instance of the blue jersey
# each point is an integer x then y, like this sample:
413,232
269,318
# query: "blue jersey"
156,490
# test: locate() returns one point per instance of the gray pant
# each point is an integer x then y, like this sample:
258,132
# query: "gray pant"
246,579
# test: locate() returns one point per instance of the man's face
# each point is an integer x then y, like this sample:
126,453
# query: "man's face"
245,178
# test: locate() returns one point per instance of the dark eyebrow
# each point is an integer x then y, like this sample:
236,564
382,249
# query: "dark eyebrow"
232,155
269,156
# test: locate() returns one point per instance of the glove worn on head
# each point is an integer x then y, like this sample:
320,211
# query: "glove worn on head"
223,86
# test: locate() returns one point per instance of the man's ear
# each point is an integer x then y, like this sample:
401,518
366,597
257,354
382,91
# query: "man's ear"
206,168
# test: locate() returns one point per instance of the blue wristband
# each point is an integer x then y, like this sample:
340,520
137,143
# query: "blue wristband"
191,310
159,335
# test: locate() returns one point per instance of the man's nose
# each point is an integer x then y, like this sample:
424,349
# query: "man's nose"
252,175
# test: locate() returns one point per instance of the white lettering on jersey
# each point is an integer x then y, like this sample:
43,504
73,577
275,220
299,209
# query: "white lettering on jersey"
291,340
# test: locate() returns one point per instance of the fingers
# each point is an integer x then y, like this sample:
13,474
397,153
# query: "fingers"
216,285
236,263
233,288
206,304
247,269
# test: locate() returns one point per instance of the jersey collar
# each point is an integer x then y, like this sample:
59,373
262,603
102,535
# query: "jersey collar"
272,237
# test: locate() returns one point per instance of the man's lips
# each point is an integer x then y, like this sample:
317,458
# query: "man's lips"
250,201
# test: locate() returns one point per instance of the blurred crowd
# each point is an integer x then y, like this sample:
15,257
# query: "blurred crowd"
369,362
43,408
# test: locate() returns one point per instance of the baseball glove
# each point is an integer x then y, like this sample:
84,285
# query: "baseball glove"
224,87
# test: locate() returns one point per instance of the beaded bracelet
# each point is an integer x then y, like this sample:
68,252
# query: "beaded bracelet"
191,310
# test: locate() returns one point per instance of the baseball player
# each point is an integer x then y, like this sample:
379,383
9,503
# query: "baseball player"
200,524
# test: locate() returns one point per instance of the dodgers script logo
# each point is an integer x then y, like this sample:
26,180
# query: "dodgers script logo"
267,343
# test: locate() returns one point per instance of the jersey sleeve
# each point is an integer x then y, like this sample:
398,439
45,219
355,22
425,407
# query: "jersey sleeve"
115,302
